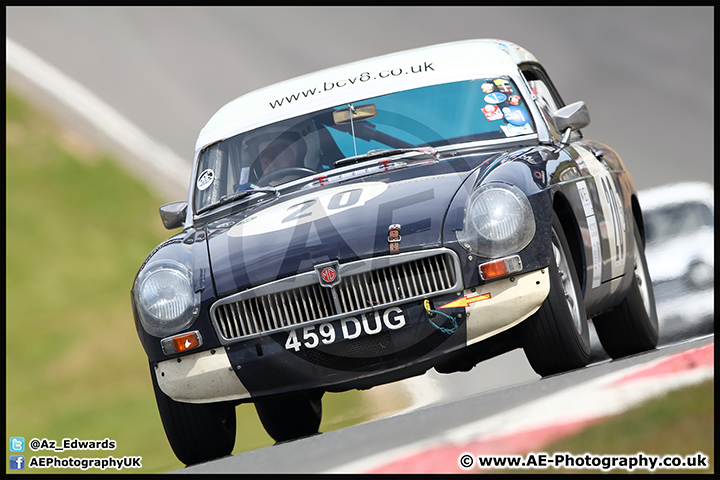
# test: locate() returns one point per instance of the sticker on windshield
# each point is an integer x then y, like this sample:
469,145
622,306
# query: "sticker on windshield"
205,179
513,130
514,100
503,85
515,115
495,98
487,87
492,112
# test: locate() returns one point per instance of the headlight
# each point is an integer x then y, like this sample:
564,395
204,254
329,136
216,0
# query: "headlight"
166,300
498,221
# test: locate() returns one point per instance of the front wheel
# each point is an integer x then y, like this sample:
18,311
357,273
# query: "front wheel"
197,432
632,326
556,338
290,417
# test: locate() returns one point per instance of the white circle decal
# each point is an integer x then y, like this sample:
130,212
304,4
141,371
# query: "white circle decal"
205,179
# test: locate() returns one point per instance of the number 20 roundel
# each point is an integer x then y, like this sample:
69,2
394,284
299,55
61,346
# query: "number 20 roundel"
324,203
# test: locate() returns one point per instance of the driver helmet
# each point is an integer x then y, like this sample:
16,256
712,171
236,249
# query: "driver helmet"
275,147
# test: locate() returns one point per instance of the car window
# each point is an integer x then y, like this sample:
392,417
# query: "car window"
544,100
436,115
671,221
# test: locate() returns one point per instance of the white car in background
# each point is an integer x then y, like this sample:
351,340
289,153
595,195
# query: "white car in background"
680,239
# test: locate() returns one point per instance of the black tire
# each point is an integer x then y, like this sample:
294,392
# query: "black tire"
197,432
290,417
632,326
556,338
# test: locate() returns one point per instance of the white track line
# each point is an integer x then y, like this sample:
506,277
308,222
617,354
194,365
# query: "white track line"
167,165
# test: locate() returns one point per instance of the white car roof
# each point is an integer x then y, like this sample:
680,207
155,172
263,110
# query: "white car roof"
677,193
355,81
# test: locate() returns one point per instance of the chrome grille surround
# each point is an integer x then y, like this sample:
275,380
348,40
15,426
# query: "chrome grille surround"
365,285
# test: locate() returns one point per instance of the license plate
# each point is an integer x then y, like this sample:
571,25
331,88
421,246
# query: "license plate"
350,328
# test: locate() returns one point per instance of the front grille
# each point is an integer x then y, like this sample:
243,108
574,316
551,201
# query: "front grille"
392,284
364,286
274,311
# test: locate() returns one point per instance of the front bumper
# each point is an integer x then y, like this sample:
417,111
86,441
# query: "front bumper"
510,301
200,377
354,352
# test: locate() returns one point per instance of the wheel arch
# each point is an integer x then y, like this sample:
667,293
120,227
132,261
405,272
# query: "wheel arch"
571,228
638,216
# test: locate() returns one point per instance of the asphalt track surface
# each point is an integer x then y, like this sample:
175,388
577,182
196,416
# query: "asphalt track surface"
646,75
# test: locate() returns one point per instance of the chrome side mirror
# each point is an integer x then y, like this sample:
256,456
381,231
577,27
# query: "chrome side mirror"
173,214
570,118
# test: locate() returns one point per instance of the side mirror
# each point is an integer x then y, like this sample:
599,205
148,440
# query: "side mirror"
173,214
570,118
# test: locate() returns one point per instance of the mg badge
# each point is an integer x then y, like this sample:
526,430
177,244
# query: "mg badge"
328,274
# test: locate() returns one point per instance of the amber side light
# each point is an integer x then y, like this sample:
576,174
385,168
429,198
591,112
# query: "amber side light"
501,267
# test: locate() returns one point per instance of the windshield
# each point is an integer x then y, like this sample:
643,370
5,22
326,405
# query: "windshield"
676,220
437,115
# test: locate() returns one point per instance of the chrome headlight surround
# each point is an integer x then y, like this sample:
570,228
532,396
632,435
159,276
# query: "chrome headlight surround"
498,221
165,298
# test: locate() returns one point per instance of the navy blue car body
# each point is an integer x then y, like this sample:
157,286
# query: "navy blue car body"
404,234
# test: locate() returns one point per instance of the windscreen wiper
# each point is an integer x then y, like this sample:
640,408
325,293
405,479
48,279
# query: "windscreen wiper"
383,152
225,199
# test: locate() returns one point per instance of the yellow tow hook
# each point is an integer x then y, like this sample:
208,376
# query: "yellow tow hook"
428,310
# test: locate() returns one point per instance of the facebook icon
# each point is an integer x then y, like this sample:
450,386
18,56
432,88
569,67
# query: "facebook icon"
17,462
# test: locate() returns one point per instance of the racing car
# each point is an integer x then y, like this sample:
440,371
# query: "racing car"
680,232
352,227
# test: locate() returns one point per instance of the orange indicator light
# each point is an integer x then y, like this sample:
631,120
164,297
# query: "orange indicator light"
181,343
499,268
493,269
186,342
